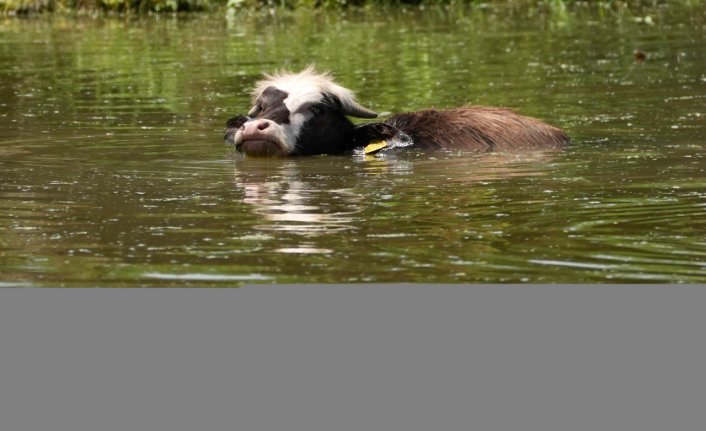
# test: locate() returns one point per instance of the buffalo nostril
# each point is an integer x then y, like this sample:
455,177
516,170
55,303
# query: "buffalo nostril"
263,125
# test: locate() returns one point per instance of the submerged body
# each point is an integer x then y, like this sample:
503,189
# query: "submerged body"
305,114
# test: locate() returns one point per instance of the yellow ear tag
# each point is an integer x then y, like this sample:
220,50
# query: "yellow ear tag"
375,146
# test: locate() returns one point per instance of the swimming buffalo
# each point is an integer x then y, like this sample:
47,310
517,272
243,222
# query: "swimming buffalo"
305,113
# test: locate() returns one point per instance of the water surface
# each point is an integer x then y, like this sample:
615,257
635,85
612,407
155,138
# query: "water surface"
113,171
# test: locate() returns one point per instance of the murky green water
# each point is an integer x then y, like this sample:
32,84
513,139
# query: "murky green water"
113,171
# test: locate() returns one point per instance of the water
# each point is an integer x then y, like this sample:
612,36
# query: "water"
113,171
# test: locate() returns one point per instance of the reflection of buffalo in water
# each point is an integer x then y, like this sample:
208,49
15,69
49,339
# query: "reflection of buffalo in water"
288,200
314,197
305,114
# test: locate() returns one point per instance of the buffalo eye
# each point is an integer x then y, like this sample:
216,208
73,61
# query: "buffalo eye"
316,110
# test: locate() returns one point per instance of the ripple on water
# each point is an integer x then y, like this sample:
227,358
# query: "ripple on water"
206,277
113,169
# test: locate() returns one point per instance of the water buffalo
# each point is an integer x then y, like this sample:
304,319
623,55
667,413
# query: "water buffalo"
305,113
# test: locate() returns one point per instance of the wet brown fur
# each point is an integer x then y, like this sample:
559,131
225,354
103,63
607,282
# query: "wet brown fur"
477,128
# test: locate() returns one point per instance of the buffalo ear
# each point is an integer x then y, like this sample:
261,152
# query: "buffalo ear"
370,132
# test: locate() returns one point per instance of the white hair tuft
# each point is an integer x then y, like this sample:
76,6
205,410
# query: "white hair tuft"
310,86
